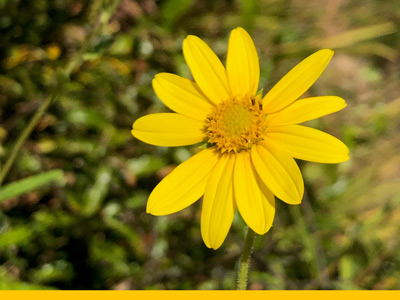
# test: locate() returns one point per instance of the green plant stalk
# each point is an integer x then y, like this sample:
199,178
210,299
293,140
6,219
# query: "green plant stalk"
74,63
27,131
245,260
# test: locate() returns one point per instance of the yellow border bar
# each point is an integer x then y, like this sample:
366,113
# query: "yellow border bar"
203,295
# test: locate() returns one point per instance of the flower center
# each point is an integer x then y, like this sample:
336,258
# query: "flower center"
236,124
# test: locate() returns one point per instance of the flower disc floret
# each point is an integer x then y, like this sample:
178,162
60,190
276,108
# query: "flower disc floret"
236,124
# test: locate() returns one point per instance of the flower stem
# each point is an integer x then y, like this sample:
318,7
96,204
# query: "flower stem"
245,260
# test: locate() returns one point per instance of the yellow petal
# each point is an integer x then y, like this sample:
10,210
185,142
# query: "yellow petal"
297,81
308,144
182,95
218,203
207,69
279,172
184,185
255,201
242,64
306,109
168,129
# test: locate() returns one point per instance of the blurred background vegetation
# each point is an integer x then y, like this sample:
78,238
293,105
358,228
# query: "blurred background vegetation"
72,206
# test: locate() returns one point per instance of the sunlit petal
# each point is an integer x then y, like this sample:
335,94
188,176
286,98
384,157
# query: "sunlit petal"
306,109
297,81
308,144
255,201
182,96
168,129
207,69
184,185
279,172
242,64
218,203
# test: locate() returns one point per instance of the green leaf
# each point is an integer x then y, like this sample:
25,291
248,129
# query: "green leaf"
9,282
94,196
31,183
59,270
15,235
126,231
145,165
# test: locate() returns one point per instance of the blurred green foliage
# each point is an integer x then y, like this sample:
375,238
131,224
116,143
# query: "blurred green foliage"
72,209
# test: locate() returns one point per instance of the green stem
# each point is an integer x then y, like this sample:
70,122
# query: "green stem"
27,131
245,260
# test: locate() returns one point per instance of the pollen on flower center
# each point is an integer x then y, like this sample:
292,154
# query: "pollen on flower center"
236,124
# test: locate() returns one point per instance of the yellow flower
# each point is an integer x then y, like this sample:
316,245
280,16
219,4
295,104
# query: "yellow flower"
252,140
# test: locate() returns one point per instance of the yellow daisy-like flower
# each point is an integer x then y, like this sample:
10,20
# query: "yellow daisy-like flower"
253,141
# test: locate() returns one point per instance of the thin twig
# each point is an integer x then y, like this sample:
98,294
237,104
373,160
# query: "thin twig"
27,131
